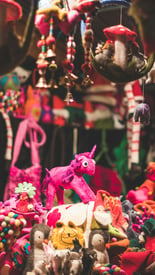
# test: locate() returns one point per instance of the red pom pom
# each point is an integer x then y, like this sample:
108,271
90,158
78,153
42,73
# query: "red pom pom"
68,65
86,68
40,43
50,40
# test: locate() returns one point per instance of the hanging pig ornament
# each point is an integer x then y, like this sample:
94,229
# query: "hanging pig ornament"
119,59
70,177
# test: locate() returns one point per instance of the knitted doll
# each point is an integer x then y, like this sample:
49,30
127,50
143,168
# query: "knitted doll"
37,257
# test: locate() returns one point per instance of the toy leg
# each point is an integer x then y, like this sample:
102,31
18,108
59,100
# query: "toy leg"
50,194
144,192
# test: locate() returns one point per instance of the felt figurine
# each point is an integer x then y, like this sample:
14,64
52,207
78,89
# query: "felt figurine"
63,261
147,189
130,65
70,177
89,256
97,240
64,18
63,236
13,49
32,105
26,192
46,110
142,113
36,261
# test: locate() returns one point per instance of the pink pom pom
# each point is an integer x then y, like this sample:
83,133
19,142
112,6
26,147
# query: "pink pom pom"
73,17
41,24
40,43
50,40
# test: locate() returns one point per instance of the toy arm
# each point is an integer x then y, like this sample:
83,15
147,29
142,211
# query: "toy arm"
80,186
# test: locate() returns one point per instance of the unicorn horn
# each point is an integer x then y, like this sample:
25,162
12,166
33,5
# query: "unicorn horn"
91,155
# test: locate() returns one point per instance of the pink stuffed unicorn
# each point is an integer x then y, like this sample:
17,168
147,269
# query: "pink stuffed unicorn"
70,177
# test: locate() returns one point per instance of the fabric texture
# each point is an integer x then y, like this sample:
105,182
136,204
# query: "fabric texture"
31,174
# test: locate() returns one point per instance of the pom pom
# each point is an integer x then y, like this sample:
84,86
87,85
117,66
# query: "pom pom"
50,40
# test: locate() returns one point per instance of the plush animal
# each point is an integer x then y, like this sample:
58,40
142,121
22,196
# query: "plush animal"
142,113
70,177
36,261
97,241
63,261
63,236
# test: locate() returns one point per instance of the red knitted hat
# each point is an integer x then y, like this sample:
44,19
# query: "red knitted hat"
13,9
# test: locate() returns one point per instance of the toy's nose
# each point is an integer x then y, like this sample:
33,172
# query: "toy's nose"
46,241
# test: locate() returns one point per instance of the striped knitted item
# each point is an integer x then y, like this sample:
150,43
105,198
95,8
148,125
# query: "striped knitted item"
130,97
9,136
133,137
133,94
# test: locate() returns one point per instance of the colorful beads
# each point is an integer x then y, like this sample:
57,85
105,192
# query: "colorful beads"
108,269
9,100
11,225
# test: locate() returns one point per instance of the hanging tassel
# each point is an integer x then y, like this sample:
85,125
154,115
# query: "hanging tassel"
87,44
69,67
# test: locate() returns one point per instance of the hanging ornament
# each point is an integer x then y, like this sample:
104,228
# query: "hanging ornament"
87,44
42,64
69,67
142,111
51,55
119,59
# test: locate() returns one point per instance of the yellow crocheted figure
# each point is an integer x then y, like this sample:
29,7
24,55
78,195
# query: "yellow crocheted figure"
63,235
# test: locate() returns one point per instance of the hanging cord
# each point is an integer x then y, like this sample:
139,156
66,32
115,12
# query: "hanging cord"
104,150
121,13
75,140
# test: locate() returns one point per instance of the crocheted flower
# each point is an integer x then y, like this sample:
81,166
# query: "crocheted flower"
26,187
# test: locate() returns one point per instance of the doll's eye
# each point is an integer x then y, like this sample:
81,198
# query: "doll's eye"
85,163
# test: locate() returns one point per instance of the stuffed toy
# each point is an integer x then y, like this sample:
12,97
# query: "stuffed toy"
32,106
89,257
36,261
63,18
13,49
97,240
70,177
64,235
147,189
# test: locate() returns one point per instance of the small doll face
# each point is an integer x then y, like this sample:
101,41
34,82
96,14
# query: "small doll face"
38,238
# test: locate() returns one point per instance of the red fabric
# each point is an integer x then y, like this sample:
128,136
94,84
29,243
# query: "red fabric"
135,261
106,179
14,10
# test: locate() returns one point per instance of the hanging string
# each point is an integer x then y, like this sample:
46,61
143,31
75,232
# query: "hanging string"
143,87
121,11
67,5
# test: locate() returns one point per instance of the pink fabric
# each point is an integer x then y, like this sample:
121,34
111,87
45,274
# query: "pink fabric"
33,173
70,177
